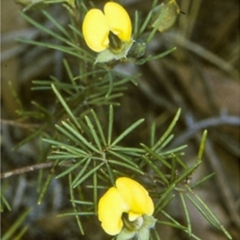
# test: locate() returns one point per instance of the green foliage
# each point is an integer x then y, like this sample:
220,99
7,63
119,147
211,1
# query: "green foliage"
12,231
80,133
4,202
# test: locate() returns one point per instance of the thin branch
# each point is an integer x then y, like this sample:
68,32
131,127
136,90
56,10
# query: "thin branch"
26,169
18,124
204,124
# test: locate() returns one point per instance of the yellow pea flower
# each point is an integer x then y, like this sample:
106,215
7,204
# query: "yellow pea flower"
127,197
109,29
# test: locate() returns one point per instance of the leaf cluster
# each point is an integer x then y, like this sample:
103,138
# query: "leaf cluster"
78,135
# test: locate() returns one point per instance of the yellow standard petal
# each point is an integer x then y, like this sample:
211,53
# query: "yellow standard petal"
118,20
136,196
95,30
110,209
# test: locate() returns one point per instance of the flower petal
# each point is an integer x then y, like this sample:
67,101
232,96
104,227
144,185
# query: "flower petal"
118,20
136,196
110,209
95,30
132,216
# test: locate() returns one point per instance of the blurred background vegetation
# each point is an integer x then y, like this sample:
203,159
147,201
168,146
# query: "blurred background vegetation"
201,77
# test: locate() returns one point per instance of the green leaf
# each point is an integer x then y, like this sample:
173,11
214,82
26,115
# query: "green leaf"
162,200
127,131
70,75
33,135
137,152
70,149
110,124
93,132
82,202
47,183
89,173
4,202
83,170
145,23
70,169
136,21
156,234
77,213
202,145
123,157
135,169
187,173
180,161
16,225
176,224
65,106
95,189
157,156
207,213
99,127
152,135
19,236
201,181
109,76
187,215
74,205
168,131
80,137
56,23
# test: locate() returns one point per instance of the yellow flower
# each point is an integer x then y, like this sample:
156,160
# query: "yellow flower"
99,28
127,197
